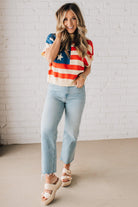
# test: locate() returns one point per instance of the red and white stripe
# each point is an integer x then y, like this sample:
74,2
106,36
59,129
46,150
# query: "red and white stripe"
65,74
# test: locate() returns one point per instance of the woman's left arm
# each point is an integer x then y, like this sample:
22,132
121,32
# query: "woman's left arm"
82,77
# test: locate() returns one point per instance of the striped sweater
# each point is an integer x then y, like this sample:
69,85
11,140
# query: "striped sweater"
64,70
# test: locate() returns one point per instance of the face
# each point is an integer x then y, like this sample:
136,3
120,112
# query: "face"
70,22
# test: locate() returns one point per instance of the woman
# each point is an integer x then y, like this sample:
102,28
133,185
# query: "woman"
69,54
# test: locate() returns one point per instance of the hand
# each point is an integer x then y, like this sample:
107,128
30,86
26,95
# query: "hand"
61,32
79,82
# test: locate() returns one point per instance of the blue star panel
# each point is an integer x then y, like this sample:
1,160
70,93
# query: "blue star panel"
62,57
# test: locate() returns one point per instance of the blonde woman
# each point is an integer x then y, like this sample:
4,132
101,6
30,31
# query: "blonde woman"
69,54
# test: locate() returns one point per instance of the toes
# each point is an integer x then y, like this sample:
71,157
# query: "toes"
65,180
43,198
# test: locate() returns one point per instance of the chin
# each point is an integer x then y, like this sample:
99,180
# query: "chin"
71,32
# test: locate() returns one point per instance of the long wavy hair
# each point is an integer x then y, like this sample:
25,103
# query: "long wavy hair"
79,38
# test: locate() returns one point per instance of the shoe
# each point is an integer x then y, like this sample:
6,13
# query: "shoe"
67,176
50,196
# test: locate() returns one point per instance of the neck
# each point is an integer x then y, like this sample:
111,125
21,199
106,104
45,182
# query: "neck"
72,36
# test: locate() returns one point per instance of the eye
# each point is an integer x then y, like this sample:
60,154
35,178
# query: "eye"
65,19
74,18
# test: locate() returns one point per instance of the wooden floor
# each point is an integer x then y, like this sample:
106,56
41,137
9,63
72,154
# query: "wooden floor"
105,174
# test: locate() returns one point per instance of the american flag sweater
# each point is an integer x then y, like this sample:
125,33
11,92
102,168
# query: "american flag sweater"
64,70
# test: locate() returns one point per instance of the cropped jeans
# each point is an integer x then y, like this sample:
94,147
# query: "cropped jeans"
60,98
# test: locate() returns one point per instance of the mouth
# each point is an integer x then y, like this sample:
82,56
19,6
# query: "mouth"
70,27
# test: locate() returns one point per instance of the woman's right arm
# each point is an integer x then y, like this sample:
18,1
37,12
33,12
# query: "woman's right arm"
52,51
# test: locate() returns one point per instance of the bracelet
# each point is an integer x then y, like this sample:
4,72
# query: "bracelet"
83,76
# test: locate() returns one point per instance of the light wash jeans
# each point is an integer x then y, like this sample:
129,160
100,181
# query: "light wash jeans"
60,98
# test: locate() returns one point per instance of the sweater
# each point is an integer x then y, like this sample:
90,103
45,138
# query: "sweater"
64,70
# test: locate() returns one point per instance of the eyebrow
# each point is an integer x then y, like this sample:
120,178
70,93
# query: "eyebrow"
71,17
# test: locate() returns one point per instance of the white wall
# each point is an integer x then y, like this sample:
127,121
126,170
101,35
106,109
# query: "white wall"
111,110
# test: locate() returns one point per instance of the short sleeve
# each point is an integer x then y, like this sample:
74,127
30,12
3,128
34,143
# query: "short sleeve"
49,41
90,53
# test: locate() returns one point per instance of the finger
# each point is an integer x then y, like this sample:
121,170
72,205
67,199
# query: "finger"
75,82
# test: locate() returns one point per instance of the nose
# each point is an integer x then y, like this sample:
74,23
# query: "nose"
70,23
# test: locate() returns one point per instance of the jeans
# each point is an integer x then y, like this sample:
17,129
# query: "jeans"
60,98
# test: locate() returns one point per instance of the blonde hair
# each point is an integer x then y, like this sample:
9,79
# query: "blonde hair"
79,35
